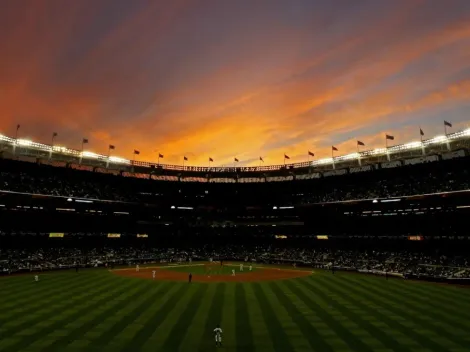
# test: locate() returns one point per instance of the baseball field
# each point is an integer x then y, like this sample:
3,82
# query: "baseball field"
100,310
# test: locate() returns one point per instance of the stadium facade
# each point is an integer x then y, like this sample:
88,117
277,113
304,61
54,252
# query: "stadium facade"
443,147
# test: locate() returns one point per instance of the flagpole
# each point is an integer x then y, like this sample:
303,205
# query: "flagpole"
52,144
386,148
81,154
16,134
16,139
447,124
109,154
333,158
158,160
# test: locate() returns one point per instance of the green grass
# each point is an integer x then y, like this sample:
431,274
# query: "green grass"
98,311
201,269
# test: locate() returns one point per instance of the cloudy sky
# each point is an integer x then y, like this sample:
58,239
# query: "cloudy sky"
226,78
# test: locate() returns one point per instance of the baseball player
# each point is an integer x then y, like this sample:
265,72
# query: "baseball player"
153,274
218,336
137,268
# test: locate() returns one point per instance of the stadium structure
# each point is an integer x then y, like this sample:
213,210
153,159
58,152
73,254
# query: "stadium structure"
428,150
105,246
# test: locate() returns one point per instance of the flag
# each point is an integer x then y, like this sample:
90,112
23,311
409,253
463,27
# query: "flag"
447,123
360,143
211,160
136,152
286,156
310,153
334,148
84,140
421,132
111,147
236,160
261,159
387,136
160,155
54,134
17,127
185,159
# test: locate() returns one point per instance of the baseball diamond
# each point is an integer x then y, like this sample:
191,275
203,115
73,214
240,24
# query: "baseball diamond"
97,310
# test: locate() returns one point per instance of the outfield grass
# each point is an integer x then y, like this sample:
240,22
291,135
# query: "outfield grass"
99,311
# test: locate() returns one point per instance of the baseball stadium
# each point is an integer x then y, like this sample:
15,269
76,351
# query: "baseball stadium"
361,252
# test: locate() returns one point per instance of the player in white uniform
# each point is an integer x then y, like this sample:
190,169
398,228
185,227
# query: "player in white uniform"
153,274
137,268
251,268
218,336
241,267
36,278
233,272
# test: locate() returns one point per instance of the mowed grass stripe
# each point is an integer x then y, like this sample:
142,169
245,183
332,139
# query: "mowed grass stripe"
66,314
228,322
40,306
284,333
444,293
260,331
424,318
115,335
414,292
243,330
25,280
155,315
314,339
446,296
407,325
129,292
281,342
160,336
212,319
347,337
349,295
38,290
183,325
422,309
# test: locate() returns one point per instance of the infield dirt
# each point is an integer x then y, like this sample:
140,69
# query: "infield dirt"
166,274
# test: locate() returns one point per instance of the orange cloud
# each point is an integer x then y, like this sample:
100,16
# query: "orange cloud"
219,81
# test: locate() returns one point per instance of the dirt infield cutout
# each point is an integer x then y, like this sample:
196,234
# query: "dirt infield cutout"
164,273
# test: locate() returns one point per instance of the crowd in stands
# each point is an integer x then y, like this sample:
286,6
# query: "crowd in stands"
404,263
451,175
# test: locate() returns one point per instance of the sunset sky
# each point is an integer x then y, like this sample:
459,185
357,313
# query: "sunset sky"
225,79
